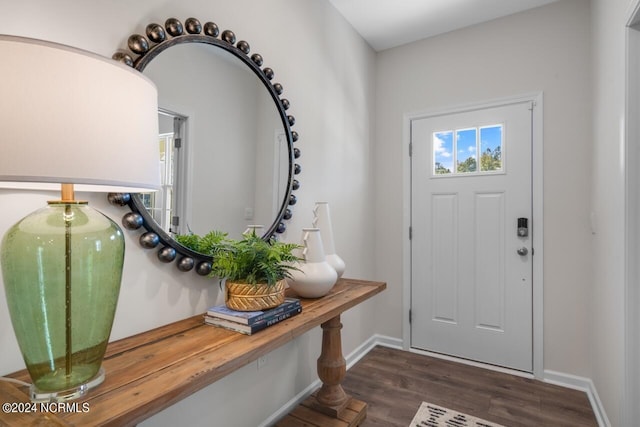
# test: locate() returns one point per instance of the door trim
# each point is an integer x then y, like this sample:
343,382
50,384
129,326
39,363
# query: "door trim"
537,220
632,209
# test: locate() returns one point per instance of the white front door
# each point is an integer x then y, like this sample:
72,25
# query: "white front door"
471,255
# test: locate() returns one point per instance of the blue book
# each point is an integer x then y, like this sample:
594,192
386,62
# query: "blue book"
255,327
251,317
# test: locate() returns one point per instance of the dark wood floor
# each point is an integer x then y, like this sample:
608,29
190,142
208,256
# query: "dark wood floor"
394,383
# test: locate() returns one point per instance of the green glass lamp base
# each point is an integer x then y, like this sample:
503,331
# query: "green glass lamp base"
76,392
62,267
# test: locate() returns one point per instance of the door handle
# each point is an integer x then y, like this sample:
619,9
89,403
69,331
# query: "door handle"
522,251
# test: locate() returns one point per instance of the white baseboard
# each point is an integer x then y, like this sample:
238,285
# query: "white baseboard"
582,384
368,345
291,404
551,377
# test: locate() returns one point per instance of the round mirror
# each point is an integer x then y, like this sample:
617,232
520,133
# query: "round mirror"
225,141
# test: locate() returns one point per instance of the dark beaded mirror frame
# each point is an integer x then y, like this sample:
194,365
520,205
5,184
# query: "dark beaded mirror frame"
142,51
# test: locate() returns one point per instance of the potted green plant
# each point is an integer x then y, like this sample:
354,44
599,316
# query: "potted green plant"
254,270
209,244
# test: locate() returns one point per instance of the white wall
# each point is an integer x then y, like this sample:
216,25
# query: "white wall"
545,49
328,75
609,18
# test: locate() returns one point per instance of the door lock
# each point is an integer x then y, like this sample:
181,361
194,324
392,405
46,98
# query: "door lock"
523,227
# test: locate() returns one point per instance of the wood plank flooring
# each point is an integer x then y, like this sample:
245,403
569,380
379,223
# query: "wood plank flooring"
394,383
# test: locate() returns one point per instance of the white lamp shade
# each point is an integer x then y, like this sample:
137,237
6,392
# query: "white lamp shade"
71,116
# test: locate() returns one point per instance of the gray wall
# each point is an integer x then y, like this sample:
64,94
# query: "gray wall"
607,326
543,50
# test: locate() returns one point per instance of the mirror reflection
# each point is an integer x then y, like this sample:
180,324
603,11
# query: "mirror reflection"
222,142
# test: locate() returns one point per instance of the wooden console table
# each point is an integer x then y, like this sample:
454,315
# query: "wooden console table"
153,370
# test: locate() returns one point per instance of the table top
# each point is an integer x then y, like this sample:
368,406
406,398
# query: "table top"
148,372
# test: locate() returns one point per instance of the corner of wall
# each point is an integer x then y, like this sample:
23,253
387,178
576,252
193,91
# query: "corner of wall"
583,384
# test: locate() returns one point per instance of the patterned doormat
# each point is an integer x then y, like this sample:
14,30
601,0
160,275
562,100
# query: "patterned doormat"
430,415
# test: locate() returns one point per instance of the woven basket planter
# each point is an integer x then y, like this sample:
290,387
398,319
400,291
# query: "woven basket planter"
247,297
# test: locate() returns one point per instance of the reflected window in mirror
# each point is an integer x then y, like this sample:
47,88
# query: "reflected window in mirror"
159,204
164,206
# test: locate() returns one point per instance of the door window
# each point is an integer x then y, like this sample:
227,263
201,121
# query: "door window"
473,151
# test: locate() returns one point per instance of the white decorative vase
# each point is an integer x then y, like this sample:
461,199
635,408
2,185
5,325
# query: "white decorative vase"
316,277
322,220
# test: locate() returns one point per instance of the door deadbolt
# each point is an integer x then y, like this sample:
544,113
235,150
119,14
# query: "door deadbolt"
523,227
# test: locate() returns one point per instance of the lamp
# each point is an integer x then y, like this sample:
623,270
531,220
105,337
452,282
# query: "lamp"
69,118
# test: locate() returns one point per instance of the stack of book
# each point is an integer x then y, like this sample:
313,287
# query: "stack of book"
249,322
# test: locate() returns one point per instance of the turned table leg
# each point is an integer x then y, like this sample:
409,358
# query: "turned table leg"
332,368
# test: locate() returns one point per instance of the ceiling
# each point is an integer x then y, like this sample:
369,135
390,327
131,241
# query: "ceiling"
389,23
